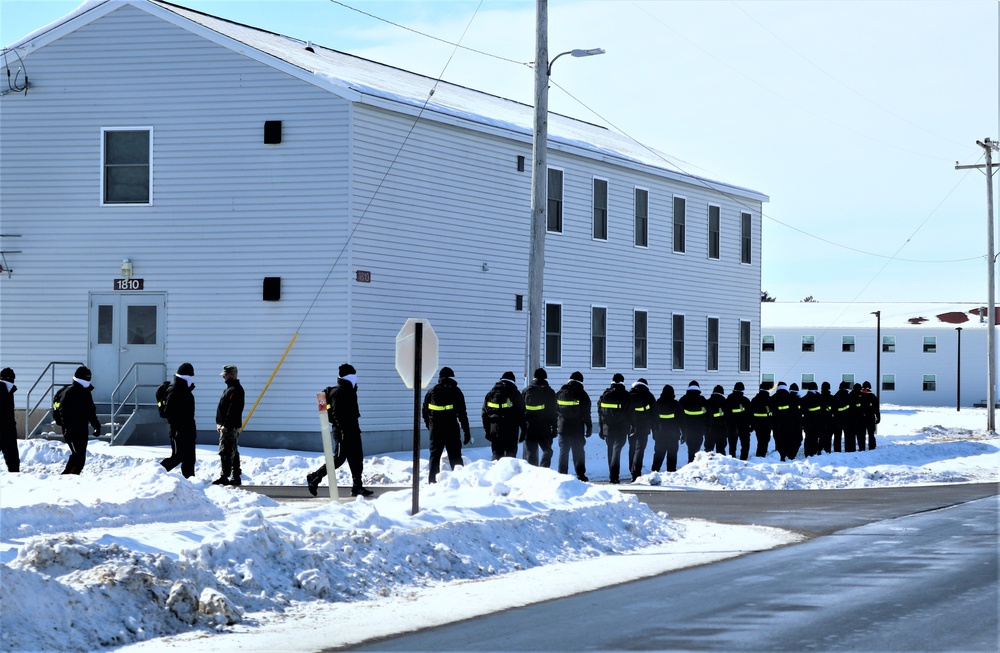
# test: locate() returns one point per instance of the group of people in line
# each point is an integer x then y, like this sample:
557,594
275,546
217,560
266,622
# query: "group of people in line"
78,412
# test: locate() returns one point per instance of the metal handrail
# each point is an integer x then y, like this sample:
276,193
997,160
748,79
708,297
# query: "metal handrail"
27,398
133,391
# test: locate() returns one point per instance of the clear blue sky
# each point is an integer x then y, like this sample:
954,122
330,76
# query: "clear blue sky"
850,115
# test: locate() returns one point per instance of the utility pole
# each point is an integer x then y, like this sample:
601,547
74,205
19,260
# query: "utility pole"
991,351
539,187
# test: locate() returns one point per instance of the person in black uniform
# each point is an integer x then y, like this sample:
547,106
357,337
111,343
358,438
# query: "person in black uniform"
858,418
813,420
643,414
870,413
785,421
795,433
614,417
694,422
718,422
180,416
666,429
444,414
79,412
760,418
228,422
738,407
345,415
540,416
8,423
826,432
842,407
503,417
574,425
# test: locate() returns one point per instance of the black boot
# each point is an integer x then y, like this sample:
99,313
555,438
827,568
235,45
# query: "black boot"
359,491
312,480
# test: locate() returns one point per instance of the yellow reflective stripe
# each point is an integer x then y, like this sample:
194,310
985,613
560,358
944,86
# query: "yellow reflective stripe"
568,402
718,414
738,410
506,404
434,407
840,408
604,405
641,409
762,414
783,407
816,408
670,416
539,407
700,411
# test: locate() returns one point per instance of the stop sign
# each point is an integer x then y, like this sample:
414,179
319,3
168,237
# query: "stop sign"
406,344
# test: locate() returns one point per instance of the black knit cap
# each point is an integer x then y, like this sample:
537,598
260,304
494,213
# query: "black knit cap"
739,387
618,378
765,386
508,375
866,385
668,392
82,373
826,385
541,374
643,381
447,373
576,376
7,374
186,369
718,390
346,369
844,385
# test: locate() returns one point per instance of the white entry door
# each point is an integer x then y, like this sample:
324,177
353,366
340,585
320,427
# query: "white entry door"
126,328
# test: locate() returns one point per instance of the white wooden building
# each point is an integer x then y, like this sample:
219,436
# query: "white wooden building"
177,187
918,356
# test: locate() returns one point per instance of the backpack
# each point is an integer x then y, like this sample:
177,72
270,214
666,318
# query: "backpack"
568,404
57,401
613,417
328,392
534,395
498,406
162,393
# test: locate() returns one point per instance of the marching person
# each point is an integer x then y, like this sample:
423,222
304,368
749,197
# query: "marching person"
345,415
813,420
614,417
503,417
858,423
694,422
180,416
574,425
760,418
643,414
738,407
666,430
870,413
785,422
826,431
842,409
444,412
78,412
718,422
8,423
229,421
540,416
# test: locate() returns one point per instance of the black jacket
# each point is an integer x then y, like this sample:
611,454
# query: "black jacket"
870,412
8,423
574,418
695,419
784,410
718,415
643,409
540,414
668,417
230,411
614,411
344,413
760,408
78,410
444,409
503,411
738,407
180,407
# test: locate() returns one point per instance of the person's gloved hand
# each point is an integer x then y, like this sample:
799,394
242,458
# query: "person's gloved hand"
601,436
589,433
97,431
520,438
468,438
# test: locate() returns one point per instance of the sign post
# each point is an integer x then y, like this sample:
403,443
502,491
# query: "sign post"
416,362
324,427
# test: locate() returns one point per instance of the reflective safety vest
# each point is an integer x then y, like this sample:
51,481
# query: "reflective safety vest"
435,407
506,404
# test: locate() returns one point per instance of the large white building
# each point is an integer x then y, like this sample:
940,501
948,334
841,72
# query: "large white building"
177,187
918,356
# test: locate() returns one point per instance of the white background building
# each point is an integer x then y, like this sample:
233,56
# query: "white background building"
265,190
832,342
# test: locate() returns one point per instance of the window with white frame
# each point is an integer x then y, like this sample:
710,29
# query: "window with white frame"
600,209
888,344
888,382
553,335
746,238
808,343
847,378
848,344
930,344
554,215
767,380
641,217
680,220
714,231
767,343
677,337
807,378
744,345
930,383
640,321
127,166
598,336
712,350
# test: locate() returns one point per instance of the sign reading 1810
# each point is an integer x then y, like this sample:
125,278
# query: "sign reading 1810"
128,284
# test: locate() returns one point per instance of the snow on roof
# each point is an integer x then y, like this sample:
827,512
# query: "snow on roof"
332,69
860,314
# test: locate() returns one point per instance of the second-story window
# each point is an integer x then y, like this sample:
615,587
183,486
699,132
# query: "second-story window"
600,209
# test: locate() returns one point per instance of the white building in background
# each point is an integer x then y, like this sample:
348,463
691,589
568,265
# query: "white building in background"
178,187
919,348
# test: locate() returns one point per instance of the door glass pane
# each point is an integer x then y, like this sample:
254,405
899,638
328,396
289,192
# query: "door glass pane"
105,324
141,325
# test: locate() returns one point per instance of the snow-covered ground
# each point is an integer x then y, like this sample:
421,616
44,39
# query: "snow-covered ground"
127,555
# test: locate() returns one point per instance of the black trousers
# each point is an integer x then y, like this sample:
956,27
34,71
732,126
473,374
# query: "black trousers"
8,443
182,451
504,446
616,443
77,452
572,444
636,452
351,452
666,445
531,447
452,443
762,429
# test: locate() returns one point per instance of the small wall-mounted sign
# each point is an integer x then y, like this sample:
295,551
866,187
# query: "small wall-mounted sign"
363,276
128,284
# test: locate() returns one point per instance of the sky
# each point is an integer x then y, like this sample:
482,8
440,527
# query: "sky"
851,116
129,555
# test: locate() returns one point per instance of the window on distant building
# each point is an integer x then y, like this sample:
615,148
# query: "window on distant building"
930,382
848,344
598,336
807,378
767,343
888,344
744,345
745,238
808,343
888,382
714,229
555,204
127,170
712,350
680,219
640,320
553,335
849,378
600,209
641,217
678,342
930,344
767,380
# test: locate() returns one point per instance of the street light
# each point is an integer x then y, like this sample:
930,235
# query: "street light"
539,179
958,372
878,351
